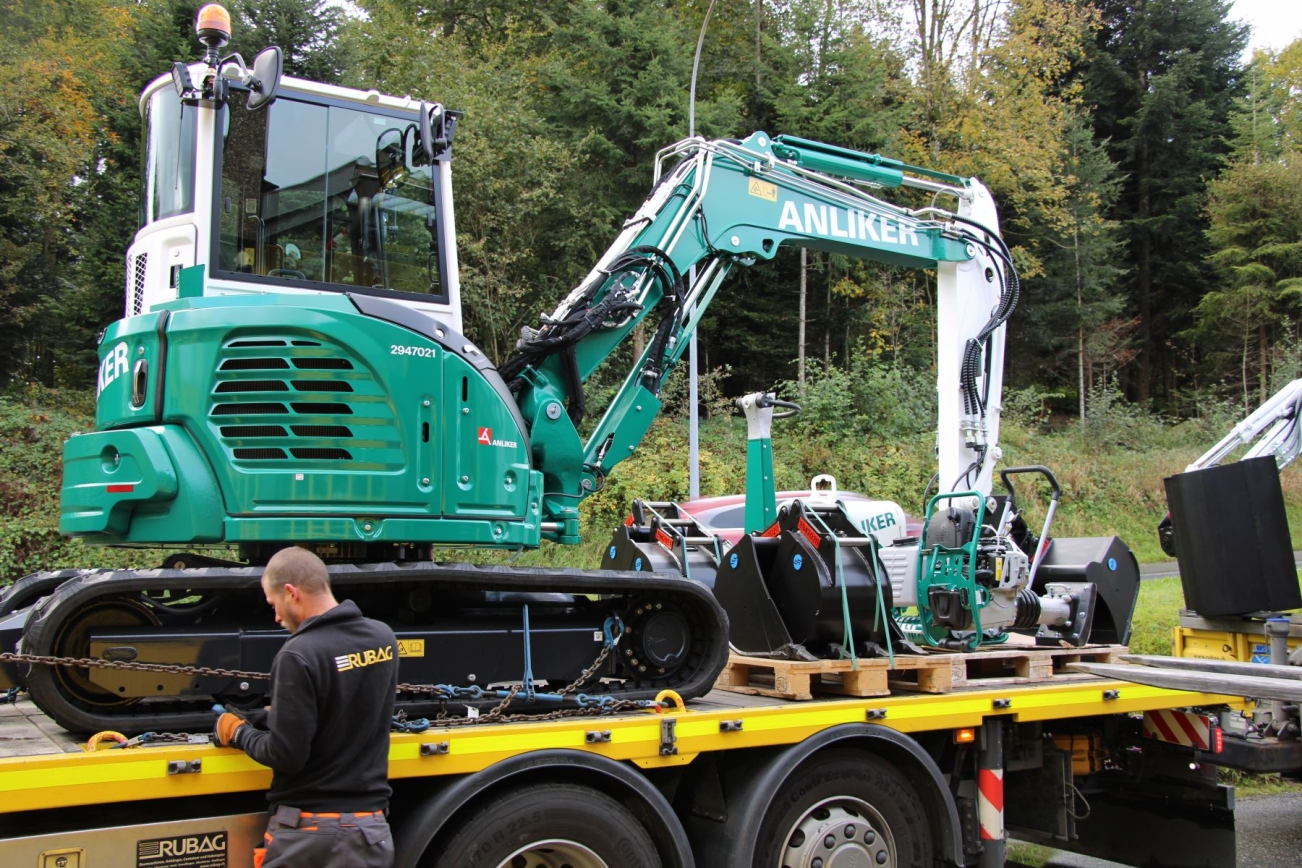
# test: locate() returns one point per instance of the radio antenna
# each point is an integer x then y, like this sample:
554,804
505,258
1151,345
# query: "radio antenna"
696,64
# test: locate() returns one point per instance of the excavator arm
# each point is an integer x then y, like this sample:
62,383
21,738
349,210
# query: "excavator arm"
721,204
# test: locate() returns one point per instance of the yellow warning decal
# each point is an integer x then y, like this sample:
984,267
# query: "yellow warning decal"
763,189
411,647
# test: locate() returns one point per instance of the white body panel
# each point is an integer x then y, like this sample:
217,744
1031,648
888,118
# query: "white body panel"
965,300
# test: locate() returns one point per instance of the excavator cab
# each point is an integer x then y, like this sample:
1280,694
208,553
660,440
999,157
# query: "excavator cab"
322,189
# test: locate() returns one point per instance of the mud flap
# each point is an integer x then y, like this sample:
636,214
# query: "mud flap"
1177,832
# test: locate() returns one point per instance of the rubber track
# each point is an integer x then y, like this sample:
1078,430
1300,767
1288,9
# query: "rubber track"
695,678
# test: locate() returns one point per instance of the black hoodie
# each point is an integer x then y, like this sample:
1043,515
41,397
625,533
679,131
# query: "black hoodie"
332,694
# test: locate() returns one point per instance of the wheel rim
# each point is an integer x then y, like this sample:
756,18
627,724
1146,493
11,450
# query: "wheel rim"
838,833
554,853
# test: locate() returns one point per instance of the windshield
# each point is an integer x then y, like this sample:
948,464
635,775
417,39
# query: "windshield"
169,157
327,195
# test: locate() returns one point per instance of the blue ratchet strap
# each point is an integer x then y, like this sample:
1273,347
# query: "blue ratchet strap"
529,691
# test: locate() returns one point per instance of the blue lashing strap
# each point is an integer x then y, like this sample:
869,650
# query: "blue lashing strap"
529,691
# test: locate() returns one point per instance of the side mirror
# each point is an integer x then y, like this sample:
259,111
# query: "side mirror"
267,68
431,146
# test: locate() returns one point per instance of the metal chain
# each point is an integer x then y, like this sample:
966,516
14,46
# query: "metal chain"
495,715
587,673
91,662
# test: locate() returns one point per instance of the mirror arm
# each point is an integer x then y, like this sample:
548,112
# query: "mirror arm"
245,76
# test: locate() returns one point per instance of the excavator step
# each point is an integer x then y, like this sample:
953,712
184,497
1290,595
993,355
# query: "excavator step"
938,672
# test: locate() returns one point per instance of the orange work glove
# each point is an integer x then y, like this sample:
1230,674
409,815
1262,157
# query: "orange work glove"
227,725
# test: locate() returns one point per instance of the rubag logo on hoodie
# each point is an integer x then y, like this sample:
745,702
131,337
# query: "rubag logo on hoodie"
344,662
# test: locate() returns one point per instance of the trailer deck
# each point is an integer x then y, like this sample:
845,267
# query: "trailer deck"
47,768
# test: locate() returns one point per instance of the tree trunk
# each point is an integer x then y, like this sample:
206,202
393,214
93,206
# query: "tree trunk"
1144,265
1080,328
1263,386
804,285
827,326
1243,371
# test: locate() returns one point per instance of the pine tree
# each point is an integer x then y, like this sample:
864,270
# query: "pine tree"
1061,335
1161,80
1255,211
307,31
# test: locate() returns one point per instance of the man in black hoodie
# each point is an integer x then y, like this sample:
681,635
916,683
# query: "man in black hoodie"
327,737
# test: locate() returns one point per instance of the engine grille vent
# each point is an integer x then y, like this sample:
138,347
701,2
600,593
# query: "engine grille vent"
254,365
346,417
323,364
323,454
323,409
259,454
322,386
136,269
249,409
322,431
252,386
254,431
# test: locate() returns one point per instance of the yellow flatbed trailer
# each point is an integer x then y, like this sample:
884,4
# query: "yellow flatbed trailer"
740,780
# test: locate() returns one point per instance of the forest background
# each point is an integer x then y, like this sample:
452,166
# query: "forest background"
1149,182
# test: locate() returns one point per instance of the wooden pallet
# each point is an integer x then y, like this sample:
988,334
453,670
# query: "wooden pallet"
938,672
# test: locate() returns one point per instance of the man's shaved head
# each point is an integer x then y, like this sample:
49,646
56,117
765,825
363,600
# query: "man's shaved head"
297,567
297,585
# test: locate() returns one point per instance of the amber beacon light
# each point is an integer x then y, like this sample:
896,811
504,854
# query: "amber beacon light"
213,26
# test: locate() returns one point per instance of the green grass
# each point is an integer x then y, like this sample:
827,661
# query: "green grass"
1111,475
1157,614
1021,853
1258,785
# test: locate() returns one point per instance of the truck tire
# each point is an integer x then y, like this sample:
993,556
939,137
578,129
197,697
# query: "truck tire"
549,826
845,806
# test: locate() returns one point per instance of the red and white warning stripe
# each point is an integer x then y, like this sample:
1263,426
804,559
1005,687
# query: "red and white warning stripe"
1183,727
990,803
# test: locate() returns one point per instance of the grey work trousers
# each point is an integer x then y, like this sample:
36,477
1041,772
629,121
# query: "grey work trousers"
295,839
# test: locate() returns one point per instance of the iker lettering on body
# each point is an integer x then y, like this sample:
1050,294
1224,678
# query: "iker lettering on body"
113,365
834,222
881,522
344,662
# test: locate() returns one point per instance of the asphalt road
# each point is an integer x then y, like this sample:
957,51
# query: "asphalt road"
1161,571
1268,830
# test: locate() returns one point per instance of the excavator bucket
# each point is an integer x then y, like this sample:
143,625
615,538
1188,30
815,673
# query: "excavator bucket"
755,625
811,582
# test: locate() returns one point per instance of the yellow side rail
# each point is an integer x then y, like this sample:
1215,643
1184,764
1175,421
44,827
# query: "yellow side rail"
102,777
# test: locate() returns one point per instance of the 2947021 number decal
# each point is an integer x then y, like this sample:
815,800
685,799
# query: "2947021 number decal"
420,352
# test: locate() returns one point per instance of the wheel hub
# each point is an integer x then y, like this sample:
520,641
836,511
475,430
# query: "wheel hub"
554,853
841,832
657,639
